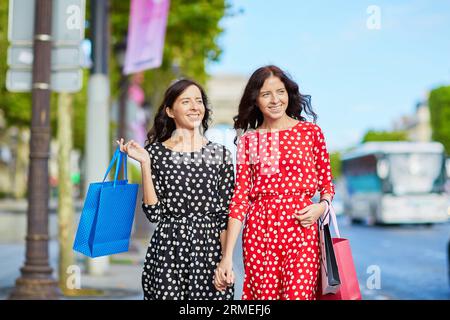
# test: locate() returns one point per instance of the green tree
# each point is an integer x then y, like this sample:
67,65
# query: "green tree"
336,164
439,104
191,41
373,135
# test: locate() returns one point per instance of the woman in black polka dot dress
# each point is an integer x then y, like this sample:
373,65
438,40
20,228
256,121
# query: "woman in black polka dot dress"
187,186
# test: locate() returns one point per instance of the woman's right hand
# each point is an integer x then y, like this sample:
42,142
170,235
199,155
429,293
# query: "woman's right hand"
224,275
134,151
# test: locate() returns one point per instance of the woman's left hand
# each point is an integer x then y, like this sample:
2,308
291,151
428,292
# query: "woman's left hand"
134,151
310,214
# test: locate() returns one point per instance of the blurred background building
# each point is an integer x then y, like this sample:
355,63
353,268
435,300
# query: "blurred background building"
417,125
225,91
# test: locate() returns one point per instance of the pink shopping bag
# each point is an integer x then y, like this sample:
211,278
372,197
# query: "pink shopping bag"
349,287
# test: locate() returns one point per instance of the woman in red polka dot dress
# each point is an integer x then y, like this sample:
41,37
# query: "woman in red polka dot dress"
282,161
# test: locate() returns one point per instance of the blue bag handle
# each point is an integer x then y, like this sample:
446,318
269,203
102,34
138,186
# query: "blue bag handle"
116,154
118,165
122,155
117,157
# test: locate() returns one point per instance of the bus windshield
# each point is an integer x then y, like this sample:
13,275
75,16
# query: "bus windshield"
414,173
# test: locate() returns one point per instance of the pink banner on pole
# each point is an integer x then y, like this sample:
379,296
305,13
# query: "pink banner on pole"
146,33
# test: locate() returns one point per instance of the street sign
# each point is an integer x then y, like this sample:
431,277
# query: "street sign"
21,21
67,35
60,81
21,57
67,22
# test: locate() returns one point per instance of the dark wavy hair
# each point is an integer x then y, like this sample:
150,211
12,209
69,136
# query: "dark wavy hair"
163,125
250,116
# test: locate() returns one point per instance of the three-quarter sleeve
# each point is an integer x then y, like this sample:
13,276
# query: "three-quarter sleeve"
322,164
240,202
153,212
225,188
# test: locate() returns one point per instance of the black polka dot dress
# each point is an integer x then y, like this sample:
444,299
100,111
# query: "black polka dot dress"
194,190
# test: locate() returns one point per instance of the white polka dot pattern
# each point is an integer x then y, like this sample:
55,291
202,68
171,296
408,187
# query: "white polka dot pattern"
194,190
277,175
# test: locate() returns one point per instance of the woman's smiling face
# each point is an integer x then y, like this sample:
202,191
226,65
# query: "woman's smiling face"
273,98
188,109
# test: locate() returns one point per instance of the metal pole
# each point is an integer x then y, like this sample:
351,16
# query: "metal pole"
97,135
100,38
36,280
123,100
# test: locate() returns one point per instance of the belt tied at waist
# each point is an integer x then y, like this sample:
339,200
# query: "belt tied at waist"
207,216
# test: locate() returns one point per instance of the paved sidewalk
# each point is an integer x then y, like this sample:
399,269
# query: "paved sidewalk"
122,280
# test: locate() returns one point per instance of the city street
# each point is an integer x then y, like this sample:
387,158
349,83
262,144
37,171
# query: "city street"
411,261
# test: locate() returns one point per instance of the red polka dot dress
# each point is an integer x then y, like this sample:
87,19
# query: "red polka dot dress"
277,175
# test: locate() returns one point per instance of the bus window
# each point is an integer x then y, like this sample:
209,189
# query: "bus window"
414,173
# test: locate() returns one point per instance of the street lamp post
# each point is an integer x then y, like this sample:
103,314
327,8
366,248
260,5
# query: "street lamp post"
97,115
122,132
36,280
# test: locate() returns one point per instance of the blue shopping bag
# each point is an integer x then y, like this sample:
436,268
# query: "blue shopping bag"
108,214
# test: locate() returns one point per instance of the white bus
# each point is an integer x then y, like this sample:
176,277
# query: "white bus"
396,183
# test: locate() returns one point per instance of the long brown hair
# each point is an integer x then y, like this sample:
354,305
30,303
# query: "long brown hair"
250,116
163,125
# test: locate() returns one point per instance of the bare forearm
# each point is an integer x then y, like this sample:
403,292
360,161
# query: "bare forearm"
223,239
233,230
148,189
